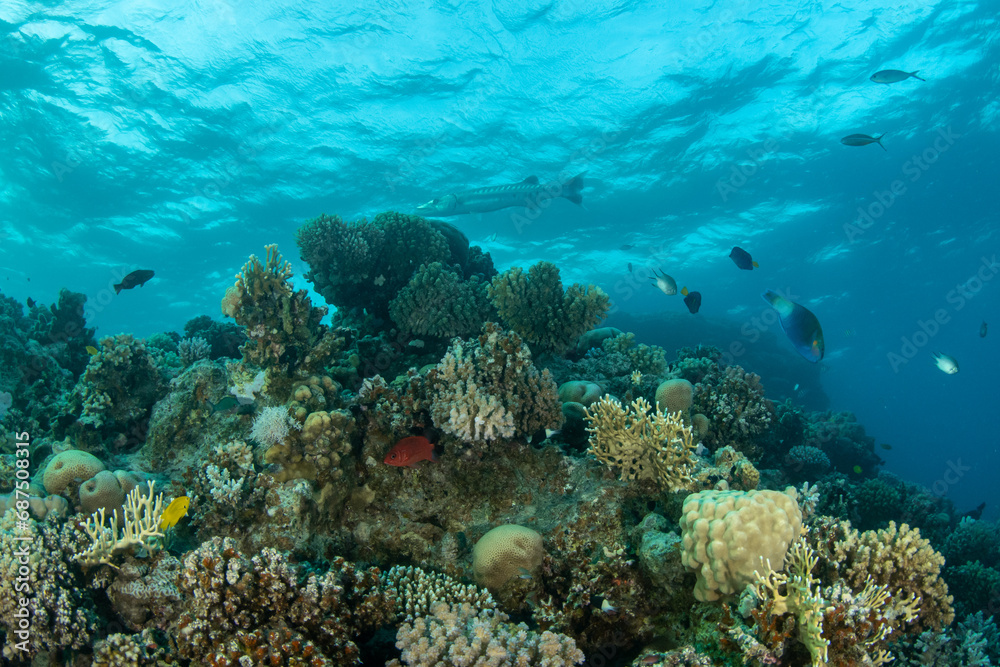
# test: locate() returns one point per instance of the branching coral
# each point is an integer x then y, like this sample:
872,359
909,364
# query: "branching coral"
489,389
535,306
643,443
735,405
140,528
438,302
462,635
284,330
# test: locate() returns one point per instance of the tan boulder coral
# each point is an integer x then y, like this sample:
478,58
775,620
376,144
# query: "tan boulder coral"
675,395
69,466
579,391
103,490
727,535
506,552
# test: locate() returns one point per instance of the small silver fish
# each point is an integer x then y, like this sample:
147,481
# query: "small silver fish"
946,363
894,76
863,140
666,284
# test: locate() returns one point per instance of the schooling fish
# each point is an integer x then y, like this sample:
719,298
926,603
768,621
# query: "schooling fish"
666,284
946,363
692,300
177,508
134,279
410,451
982,330
800,325
863,140
894,76
529,193
743,259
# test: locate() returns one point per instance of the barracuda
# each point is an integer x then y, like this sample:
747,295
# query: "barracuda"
528,193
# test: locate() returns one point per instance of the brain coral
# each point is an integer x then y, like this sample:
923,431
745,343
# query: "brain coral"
68,466
504,552
726,534
675,395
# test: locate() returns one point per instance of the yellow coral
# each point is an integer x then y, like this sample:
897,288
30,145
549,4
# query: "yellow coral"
643,443
141,528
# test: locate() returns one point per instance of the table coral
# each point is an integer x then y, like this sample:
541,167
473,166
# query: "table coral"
487,389
534,305
642,443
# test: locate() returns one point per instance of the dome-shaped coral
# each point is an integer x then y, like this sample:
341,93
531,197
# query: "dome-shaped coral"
68,466
675,395
580,391
102,490
504,552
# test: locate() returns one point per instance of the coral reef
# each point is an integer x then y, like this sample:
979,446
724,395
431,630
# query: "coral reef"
535,306
506,552
438,302
642,443
487,389
734,403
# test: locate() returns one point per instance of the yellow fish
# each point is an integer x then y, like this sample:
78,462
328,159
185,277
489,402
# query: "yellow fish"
91,350
175,510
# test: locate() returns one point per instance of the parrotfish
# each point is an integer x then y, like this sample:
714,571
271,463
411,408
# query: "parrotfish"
410,451
666,284
800,325
863,140
134,279
692,300
743,259
894,76
529,193
946,363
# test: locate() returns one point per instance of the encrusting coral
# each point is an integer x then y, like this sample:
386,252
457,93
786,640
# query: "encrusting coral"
534,305
642,443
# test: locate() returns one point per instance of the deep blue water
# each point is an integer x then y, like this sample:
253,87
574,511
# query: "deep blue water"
183,137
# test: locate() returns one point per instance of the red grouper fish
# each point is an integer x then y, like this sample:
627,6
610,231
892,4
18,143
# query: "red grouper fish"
800,325
410,451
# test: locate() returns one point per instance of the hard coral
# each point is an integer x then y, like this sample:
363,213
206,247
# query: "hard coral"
438,302
504,553
535,306
644,444
489,389
734,403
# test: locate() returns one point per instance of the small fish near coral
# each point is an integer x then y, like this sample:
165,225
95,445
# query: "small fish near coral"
863,140
800,325
946,363
134,279
91,350
692,300
894,76
410,451
664,283
177,508
743,259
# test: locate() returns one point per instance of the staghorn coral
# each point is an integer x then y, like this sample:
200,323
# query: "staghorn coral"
284,330
535,306
489,389
643,443
438,302
140,528
456,635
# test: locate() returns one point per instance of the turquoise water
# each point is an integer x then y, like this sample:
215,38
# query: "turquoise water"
185,137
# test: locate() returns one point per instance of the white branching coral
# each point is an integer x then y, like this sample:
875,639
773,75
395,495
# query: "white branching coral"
271,426
141,528
643,443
